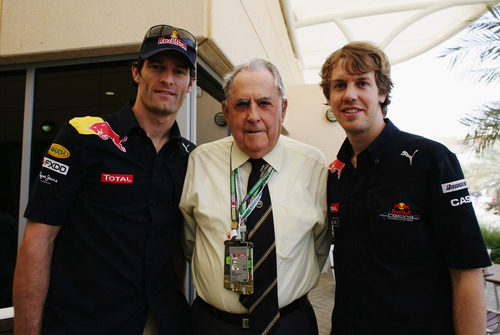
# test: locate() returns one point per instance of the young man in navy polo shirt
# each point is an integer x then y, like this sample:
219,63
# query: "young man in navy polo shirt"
408,249
97,256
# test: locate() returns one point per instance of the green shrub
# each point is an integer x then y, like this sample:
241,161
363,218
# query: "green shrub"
495,255
492,240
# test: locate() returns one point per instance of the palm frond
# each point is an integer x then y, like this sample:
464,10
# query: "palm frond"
481,45
484,127
483,172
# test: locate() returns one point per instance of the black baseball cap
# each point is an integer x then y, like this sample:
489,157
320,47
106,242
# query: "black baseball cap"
163,37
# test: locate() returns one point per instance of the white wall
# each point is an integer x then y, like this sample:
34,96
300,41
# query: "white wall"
305,120
206,129
230,31
73,28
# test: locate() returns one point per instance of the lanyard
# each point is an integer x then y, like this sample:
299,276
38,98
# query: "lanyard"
241,210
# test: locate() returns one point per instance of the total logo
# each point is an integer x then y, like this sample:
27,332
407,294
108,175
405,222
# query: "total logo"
55,166
461,201
117,178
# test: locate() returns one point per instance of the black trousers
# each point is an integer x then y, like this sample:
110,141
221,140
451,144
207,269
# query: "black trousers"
297,318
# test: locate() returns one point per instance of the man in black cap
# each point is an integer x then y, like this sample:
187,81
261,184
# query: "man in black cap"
98,252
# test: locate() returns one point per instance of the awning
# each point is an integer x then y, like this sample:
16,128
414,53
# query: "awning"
403,29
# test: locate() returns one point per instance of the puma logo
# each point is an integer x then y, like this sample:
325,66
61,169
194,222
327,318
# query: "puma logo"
185,147
407,155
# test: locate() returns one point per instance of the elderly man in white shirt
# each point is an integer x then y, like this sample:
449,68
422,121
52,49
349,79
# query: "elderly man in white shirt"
216,209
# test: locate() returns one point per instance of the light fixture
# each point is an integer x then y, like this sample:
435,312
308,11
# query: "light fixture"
110,93
48,126
219,119
329,115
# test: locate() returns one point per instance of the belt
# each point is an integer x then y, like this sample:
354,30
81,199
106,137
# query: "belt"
242,319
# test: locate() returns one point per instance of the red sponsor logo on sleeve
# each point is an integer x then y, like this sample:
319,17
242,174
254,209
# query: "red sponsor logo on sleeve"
336,166
117,178
334,207
104,131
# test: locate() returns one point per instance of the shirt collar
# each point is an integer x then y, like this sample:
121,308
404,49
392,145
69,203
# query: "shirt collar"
273,158
127,122
375,149
383,140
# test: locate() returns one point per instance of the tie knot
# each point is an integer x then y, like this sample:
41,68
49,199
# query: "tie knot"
257,163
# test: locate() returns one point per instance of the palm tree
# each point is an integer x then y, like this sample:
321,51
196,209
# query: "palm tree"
482,174
482,44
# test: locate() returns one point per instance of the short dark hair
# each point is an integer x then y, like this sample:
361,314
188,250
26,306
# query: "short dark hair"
360,57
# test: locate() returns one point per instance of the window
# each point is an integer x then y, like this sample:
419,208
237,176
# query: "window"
11,129
62,93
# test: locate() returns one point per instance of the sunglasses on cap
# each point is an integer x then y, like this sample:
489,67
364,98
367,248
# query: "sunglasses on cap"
163,30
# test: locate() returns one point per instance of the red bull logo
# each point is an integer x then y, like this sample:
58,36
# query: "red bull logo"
172,40
401,208
104,131
336,165
400,212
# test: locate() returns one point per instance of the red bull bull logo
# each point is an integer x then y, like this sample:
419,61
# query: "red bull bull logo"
400,212
336,165
401,208
104,131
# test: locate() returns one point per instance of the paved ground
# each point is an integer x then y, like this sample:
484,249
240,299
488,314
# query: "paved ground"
322,301
322,297
491,298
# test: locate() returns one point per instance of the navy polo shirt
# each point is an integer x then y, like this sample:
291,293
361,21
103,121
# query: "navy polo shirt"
116,200
401,219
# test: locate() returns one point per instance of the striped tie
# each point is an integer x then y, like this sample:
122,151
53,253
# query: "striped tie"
263,303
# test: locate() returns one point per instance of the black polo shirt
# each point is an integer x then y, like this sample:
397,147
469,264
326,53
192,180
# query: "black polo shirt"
401,219
116,201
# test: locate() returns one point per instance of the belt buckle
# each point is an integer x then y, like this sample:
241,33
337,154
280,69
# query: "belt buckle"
245,323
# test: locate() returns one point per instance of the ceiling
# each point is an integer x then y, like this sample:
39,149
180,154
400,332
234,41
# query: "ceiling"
402,28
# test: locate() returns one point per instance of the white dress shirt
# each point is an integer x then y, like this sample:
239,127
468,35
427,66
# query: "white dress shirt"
298,197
